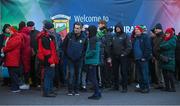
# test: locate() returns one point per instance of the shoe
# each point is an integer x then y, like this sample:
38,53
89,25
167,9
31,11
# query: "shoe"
76,94
16,91
138,90
93,97
124,91
172,90
24,87
137,86
4,84
165,89
115,88
70,94
49,95
158,87
145,91
83,89
53,93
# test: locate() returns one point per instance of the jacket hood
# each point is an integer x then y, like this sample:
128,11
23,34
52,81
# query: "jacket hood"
120,26
25,30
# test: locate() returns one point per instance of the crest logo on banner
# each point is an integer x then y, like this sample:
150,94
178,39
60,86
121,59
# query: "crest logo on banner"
61,23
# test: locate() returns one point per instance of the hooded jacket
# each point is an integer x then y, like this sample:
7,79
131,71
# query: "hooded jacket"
47,49
120,43
167,49
12,50
26,51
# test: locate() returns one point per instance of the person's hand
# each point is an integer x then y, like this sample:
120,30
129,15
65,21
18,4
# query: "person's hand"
122,55
52,65
109,60
2,51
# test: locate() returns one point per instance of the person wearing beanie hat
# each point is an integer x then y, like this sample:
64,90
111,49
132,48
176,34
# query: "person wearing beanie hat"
159,34
168,34
142,53
35,80
139,28
47,54
167,58
48,25
12,50
158,26
30,23
3,38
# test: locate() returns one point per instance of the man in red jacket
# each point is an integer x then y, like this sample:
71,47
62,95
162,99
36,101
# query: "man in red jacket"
25,55
48,56
12,57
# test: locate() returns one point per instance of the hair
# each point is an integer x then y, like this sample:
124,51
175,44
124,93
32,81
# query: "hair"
102,22
4,27
30,23
79,24
92,30
22,24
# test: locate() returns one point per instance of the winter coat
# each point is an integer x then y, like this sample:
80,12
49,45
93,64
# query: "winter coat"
145,45
92,56
12,50
167,54
26,51
120,43
156,43
177,54
33,35
75,47
47,53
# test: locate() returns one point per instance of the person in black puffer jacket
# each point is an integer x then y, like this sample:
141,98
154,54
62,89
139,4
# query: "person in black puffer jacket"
119,50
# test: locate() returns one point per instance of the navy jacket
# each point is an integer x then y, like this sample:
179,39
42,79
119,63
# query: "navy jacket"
145,44
75,47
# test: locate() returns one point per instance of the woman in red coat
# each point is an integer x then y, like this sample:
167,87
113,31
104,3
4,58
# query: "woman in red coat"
12,57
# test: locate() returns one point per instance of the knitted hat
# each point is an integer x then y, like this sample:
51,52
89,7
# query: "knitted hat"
170,31
30,23
158,26
48,25
139,28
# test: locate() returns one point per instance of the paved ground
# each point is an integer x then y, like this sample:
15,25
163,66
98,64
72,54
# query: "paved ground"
32,97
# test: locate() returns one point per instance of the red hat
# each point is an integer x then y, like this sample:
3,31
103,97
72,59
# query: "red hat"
139,28
171,32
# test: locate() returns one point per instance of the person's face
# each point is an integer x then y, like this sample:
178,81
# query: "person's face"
31,28
167,34
77,29
137,31
158,31
118,29
101,25
7,30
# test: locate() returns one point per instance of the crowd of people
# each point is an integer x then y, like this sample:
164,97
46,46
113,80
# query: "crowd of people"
89,57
